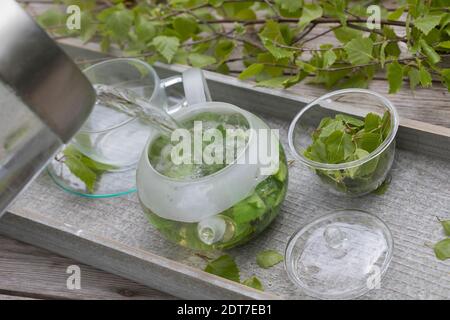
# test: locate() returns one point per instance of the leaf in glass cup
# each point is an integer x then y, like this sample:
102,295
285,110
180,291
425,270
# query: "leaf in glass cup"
339,146
365,169
368,141
371,122
331,127
386,124
317,151
350,121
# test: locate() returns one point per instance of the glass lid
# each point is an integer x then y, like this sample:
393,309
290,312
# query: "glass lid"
341,255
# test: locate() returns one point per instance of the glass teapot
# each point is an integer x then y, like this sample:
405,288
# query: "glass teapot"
44,99
213,205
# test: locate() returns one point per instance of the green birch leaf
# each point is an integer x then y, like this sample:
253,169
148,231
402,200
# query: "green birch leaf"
88,27
432,56
166,46
246,14
251,71
445,77
349,120
310,12
383,188
277,82
199,60
290,6
386,125
427,22
80,170
268,258
383,53
395,76
185,26
223,49
329,57
73,159
444,44
317,151
224,267
52,18
396,14
331,127
216,3
119,23
359,50
425,77
414,78
253,282
446,226
372,121
339,146
369,141
105,44
442,249
295,79
346,34
272,38
145,30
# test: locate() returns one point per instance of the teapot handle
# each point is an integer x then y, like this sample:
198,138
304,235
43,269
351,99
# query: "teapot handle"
194,83
195,86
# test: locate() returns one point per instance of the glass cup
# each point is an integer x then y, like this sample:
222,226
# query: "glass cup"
113,139
357,177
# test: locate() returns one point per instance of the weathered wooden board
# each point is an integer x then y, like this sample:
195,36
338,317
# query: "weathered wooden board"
35,273
113,234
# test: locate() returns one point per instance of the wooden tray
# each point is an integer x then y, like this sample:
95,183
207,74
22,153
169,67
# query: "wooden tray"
114,235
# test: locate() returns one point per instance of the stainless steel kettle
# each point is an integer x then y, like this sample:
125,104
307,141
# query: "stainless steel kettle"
44,99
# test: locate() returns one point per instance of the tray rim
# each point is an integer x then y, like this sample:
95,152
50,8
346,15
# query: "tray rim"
220,287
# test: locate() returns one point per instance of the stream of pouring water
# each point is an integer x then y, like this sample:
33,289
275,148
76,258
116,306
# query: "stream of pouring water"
128,102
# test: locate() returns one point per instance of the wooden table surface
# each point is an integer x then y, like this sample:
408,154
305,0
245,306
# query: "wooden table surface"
27,272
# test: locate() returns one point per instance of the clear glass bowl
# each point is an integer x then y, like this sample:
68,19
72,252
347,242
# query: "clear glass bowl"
353,178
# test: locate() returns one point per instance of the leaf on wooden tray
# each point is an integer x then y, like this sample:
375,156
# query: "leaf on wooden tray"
446,225
224,267
268,258
253,282
442,249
